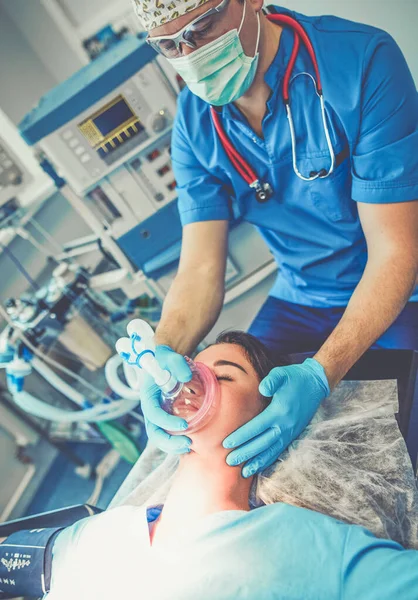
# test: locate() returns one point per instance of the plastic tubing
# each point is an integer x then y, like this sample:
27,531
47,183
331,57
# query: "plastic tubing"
100,412
57,382
112,378
162,378
141,353
131,376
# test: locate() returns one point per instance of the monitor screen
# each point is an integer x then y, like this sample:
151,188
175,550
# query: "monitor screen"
111,126
114,117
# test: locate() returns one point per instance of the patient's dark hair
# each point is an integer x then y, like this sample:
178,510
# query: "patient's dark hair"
257,353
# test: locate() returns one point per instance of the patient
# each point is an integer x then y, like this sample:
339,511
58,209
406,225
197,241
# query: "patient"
206,543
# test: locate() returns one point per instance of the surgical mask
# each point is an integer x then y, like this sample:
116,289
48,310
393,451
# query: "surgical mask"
220,72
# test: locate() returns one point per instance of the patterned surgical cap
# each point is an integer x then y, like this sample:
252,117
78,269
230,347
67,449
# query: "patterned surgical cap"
153,13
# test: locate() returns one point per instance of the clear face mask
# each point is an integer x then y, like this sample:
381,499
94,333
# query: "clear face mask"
197,400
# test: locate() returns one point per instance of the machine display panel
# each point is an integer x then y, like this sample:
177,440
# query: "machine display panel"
114,117
111,126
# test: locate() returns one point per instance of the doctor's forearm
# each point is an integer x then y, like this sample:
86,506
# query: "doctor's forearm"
380,296
190,310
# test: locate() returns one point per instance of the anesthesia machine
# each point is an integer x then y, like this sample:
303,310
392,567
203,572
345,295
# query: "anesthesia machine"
104,136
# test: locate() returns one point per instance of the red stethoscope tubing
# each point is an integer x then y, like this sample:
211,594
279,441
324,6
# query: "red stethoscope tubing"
300,33
240,164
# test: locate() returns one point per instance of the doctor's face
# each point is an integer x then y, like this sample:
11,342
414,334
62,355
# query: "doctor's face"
216,25
240,400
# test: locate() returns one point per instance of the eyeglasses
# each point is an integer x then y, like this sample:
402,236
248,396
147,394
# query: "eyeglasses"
194,34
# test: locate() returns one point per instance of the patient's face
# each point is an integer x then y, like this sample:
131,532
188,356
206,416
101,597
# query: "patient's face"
240,399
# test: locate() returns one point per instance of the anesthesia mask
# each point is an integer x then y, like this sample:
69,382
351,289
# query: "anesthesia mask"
195,401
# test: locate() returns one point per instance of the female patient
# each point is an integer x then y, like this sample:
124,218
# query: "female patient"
206,543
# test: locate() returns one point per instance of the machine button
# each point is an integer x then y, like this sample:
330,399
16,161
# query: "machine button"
85,158
15,177
164,169
159,121
73,143
79,150
67,134
153,155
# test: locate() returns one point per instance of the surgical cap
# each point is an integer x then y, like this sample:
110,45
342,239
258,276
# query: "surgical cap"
153,13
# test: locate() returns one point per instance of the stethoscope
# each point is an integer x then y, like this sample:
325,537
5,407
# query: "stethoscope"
262,189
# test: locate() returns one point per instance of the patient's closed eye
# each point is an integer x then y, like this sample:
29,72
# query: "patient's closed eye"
224,378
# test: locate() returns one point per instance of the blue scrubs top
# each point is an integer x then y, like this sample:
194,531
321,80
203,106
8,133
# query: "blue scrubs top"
312,228
277,552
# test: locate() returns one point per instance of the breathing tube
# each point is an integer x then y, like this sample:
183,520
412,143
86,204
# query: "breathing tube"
19,362
195,401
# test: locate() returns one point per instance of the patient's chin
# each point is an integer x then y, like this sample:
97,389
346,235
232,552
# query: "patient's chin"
206,441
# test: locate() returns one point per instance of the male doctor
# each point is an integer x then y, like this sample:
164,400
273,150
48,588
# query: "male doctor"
346,244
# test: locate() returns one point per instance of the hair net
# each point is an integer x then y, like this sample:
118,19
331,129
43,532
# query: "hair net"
351,463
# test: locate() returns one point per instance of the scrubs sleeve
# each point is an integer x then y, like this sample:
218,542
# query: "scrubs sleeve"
385,156
377,569
201,196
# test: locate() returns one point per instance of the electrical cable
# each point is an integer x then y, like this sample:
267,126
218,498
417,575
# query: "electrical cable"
106,254
95,495
46,235
105,467
29,237
99,307
19,266
74,357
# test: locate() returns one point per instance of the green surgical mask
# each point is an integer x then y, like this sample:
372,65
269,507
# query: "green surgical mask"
219,72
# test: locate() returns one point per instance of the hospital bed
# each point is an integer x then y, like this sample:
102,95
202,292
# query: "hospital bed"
401,365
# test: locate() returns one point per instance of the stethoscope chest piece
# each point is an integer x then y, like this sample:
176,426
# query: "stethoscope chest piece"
263,191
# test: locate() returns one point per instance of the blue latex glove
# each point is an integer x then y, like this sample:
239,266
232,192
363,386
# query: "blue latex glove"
297,391
156,419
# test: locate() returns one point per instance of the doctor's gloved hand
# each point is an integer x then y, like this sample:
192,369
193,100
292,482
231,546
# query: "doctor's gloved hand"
297,391
157,421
